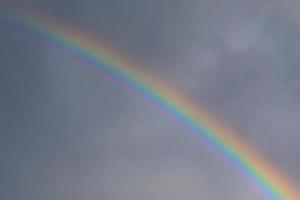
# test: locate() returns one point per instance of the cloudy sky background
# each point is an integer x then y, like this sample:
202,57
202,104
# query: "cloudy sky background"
67,134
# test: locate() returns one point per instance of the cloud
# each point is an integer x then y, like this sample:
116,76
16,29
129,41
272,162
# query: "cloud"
68,134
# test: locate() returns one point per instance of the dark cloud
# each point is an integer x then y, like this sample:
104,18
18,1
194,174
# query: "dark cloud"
68,134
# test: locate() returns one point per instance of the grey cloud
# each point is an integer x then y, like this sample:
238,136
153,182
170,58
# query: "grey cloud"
68,134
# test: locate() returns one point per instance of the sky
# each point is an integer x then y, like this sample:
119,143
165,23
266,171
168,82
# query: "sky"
65,133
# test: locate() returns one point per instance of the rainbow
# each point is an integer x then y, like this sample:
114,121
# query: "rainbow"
81,47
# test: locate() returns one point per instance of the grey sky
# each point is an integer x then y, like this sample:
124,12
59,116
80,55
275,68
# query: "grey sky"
67,134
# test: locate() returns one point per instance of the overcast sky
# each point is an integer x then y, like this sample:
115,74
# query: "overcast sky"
65,133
